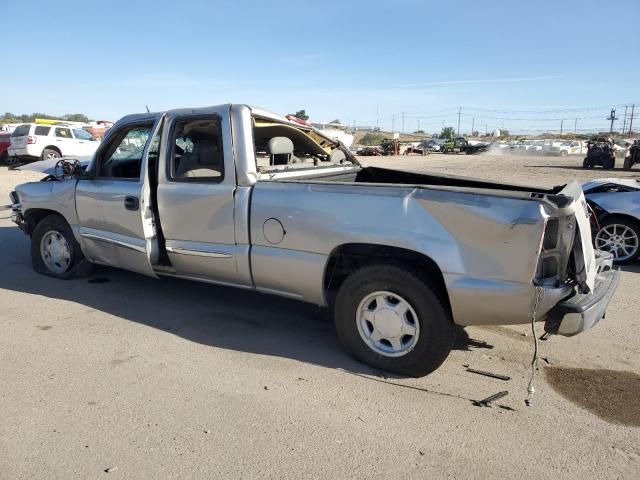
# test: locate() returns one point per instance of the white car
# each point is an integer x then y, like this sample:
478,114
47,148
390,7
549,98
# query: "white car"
32,141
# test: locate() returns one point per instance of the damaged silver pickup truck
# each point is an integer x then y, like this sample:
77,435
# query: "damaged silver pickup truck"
238,196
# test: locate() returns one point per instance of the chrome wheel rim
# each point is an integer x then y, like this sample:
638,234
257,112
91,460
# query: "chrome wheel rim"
621,240
51,155
55,252
388,324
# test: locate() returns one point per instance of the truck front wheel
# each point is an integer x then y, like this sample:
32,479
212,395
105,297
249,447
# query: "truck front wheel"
391,317
55,251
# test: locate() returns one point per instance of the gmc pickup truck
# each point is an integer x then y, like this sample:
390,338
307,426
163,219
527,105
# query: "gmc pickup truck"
238,196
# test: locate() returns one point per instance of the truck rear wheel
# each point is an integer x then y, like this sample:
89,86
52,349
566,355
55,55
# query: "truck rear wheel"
55,251
390,317
627,163
586,163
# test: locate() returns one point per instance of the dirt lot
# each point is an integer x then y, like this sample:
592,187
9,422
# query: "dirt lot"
171,379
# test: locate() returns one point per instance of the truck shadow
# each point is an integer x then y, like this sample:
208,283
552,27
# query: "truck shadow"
212,315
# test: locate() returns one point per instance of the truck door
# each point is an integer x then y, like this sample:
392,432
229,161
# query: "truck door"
196,195
114,205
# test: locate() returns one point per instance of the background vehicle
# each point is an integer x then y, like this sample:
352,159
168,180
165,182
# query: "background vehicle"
243,197
462,145
633,156
565,148
32,141
615,203
600,154
5,142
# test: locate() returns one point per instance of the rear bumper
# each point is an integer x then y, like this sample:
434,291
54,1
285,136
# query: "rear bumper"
580,312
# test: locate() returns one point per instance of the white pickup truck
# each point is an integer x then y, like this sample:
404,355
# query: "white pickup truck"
238,196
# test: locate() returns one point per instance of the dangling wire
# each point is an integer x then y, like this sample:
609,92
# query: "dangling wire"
534,362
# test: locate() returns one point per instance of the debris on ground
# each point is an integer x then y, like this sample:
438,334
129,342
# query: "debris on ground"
110,469
489,374
548,360
266,388
545,336
486,402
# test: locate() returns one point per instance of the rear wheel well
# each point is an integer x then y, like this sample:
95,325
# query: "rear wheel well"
348,258
34,216
52,147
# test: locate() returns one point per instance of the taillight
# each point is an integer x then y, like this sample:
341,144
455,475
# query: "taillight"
31,140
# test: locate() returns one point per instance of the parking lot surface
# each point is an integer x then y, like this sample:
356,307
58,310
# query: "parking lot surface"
174,379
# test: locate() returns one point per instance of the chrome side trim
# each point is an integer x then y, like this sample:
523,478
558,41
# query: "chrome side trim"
199,253
113,241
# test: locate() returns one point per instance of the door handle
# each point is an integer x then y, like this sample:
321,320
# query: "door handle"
131,203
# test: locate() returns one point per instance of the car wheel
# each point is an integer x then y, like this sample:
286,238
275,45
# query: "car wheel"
564,153
55,251
391,318
11,160
621,237
627,163
49,153
610,163
4,158
586,163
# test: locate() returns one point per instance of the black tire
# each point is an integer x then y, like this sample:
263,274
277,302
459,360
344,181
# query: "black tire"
78,265
609,164
436,335
4,158
586,163
627,163
564,153
627,222
50,153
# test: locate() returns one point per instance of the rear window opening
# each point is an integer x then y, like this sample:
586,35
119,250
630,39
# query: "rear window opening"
21,131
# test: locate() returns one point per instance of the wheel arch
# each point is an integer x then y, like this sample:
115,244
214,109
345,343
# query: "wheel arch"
347,258
34,216
52,147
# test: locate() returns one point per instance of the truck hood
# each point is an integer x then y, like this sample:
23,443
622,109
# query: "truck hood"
48,167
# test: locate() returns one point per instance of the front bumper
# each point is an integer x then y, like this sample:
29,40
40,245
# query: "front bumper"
580,312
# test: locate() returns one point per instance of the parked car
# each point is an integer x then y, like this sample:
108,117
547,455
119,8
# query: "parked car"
5,142
462,145
400,256
32,141
600,153
615,203
633,155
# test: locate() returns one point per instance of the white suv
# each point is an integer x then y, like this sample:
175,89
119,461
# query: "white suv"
32,141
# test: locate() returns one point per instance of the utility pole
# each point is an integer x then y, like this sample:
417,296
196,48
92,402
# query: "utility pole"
418,124
377,119
624,123
402,123
486,132
473,122
575,126
459,111
393,122
561,125
631,119
613,118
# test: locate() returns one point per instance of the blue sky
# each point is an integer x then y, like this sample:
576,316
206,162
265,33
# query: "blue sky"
522,64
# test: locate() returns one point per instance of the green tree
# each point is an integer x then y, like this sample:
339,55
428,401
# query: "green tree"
448,132
301,114
504,132
335,122
76,117
419,132
372,139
